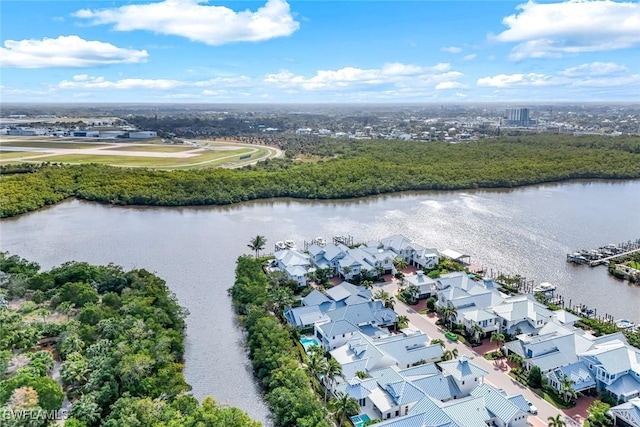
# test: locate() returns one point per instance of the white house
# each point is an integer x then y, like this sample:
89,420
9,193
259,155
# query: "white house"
295,264
466,374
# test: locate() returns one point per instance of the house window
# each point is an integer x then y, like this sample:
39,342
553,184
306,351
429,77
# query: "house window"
397,412
462,382
388,415
362,402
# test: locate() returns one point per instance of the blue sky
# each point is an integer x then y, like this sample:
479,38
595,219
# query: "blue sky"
319,51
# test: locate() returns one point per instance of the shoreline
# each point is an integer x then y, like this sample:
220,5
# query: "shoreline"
341,200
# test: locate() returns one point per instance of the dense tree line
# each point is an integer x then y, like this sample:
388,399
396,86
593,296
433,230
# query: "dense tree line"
346,169
119,337
275,359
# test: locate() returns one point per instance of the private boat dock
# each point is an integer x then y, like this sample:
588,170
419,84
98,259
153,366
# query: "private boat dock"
604,254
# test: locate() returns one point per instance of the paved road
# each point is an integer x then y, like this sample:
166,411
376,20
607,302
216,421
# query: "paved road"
495,376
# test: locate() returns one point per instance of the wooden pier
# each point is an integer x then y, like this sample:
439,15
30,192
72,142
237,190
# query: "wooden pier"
604,254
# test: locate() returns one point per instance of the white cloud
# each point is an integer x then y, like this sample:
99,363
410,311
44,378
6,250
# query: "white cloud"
595,74
395,74
82,81
469,57
505,80
450,85
551,30
213,25
66,51
452,49
595,69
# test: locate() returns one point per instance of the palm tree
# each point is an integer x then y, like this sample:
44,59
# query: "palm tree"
367,284
65,308
346,271
449,313
280,298
44,313
497,338
344,406
450,354
361,374
257,244
315,349
556,421
385,297
315,366
478,332
332,370
400,263
413,292
566,388
402,321
438,341
515,358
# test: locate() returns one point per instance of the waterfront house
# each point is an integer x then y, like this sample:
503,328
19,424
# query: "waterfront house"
366,261
413,253
327,257
295,264
426,286
616,368
316,306
472,299
522,314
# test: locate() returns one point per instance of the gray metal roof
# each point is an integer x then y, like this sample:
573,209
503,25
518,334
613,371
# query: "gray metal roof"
338,293
404,392
420,370
337,328
553,360
626,385
462,368
438,386
578,373
315,297
468,412
497,403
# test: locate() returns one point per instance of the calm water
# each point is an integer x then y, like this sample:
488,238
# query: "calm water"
526,231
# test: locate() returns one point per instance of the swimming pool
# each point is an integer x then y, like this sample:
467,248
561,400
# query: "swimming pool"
308,342
359,420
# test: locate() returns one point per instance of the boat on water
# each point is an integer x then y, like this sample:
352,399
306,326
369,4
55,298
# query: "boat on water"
544,287
290,244
625,324
280,246
321,241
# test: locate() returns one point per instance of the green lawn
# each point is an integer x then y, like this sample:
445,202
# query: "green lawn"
46,144
17,154
154,148
634,264
205,159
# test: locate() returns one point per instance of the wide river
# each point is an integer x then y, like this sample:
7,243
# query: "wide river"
526,231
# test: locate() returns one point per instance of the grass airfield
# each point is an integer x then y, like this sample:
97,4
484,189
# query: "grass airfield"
135,153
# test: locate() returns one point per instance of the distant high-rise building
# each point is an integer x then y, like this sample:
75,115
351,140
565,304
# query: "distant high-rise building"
517,117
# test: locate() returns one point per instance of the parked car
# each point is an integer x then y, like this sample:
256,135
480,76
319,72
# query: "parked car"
532,408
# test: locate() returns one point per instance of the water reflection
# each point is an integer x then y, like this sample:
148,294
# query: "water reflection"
526,231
